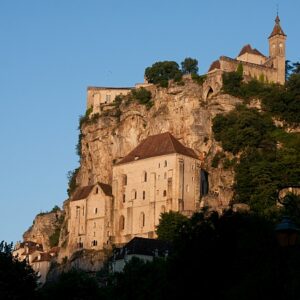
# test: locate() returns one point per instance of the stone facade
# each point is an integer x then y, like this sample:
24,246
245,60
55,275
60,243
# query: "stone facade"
145,187
97,96
89,221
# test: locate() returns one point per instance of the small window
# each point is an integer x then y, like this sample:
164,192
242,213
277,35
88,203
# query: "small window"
97,191
144,195
96,210
163,209
142,219
165,193
159,165
94,224
83,211
166,163
124,179
144,176
122,223
133,194
124,198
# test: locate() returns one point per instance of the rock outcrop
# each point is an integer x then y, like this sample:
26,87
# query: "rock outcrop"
45,229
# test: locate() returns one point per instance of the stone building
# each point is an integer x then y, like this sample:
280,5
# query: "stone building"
269,68
89,222
97,96
159,175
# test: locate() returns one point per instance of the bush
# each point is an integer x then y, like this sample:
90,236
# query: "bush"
243,128
161,72
54,238
72,185
198,78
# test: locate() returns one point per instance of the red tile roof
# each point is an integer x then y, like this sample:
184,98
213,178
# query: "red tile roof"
157,145
277,30
214,65
249,49
83,192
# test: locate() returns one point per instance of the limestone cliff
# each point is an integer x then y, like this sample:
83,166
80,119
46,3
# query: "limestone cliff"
45,229
179,109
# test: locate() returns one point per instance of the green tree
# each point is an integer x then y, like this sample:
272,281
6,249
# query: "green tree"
73,285
242,128
169,225
189,66
17,279
161,72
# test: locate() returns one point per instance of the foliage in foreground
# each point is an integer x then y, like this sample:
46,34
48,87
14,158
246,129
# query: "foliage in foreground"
17,279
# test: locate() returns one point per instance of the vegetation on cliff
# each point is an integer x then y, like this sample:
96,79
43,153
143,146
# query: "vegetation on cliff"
269,157
161,72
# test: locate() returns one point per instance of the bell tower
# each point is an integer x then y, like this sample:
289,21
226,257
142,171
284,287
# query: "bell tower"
277,50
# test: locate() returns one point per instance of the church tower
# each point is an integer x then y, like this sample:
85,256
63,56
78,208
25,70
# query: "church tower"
277,50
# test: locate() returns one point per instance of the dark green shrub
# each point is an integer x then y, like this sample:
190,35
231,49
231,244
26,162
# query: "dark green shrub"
161,72
189,66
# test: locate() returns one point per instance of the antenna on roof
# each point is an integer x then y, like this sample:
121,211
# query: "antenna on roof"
277,9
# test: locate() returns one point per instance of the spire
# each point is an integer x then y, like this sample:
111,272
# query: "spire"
277,30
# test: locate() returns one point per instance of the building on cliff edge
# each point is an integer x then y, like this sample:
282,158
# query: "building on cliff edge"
159,175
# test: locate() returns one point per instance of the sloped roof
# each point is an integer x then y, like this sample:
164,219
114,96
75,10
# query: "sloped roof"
248,49
106,188
277,30
157,145
83,192
143,246
214,65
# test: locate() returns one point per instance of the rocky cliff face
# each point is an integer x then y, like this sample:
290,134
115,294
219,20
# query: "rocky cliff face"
45,229
179,109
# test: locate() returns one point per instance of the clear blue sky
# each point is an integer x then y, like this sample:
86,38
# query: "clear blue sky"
51,50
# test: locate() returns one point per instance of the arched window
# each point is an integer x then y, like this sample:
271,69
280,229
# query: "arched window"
133,194
96,210
144,195
165,193
144,178
142,219
124,198
166,163
122,223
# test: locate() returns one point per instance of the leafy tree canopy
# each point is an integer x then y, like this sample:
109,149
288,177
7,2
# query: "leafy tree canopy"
17,279
169,225
189,66
163,71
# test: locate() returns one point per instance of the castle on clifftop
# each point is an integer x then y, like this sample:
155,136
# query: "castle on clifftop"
269,68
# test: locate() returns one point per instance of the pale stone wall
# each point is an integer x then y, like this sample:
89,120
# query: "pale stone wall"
252,58
102,95
139,202
90,221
